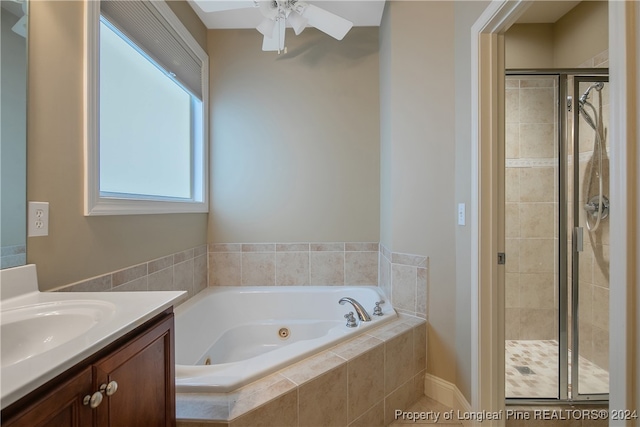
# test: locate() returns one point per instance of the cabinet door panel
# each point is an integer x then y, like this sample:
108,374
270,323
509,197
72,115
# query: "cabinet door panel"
61,407
144,372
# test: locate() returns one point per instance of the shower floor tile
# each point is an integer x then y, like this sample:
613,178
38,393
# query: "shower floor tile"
531,370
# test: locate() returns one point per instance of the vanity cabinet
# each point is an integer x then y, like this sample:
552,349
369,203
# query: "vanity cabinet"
62,406
130,383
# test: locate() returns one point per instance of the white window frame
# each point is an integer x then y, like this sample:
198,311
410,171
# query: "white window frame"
97,204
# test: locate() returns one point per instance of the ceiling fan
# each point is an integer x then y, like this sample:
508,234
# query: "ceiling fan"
277,13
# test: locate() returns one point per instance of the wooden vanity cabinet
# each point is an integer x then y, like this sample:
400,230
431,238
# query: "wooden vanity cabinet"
61,406
139,367
144,370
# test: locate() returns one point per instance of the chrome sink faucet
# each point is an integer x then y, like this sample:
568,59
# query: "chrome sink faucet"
362,313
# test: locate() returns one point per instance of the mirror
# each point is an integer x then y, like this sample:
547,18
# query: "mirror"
13,132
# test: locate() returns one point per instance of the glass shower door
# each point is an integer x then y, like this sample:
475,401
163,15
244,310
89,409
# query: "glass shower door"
590,267
532,355
556,236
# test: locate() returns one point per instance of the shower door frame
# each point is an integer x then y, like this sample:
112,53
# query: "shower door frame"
563,261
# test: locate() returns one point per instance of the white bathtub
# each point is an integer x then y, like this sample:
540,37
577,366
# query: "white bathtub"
237,330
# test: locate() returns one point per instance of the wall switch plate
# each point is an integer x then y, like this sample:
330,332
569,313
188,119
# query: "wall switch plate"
38,219
462,216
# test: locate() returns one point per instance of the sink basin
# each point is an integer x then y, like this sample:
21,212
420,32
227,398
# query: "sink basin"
33,329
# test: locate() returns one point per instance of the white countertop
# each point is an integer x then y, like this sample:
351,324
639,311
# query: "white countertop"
131,309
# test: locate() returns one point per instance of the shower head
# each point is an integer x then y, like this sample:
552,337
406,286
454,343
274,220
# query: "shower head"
597,86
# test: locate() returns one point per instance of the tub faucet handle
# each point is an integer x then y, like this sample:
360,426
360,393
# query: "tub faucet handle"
351,321
377,310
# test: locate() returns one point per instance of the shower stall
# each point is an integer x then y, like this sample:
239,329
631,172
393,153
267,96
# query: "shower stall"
557,235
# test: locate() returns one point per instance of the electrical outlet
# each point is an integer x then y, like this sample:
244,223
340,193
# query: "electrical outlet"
38,219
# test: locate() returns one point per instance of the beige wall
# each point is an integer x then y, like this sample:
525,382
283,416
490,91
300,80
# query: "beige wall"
79,247
418,149
581,34
386,136
578,36
529,46
190,19
466,13
294,138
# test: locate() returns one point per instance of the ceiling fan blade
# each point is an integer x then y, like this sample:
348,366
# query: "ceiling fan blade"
276,41
327,22
221,5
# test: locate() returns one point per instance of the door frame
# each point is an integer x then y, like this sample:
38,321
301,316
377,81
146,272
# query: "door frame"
487,279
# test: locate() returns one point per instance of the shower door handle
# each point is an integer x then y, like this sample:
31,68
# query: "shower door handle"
578,237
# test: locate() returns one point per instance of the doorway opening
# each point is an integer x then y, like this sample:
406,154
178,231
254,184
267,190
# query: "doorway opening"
557,235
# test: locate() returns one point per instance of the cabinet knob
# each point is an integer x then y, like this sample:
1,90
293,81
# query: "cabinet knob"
109,389
93,400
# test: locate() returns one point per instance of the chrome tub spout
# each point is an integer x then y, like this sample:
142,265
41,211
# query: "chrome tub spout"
362,313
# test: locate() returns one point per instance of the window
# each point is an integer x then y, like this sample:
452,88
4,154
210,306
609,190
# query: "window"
146,112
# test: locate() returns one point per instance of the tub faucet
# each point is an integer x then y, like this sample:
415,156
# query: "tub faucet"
351,321
362,313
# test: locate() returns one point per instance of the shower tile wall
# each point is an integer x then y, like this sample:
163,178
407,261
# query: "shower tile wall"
531,208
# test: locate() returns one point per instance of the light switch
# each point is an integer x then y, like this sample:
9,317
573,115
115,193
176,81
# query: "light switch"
462,216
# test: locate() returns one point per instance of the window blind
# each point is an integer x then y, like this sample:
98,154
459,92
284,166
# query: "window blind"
141,22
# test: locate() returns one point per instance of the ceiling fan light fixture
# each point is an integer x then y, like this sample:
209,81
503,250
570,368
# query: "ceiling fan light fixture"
266,27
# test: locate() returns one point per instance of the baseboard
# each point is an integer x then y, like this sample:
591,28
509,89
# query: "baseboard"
447,394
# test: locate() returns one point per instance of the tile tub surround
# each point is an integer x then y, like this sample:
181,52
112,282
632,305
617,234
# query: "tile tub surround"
404,278
360,382
181,271
293,264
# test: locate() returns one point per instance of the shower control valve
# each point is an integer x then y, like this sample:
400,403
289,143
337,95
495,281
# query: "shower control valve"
351,321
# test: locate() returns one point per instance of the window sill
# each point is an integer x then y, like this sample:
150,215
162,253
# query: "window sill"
109,206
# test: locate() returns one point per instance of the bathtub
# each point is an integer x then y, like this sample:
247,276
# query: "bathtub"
227,337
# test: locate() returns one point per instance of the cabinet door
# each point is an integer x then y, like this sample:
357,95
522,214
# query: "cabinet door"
61,407
144,372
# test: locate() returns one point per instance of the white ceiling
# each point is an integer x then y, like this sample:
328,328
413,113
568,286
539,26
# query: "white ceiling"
227,14
243,14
